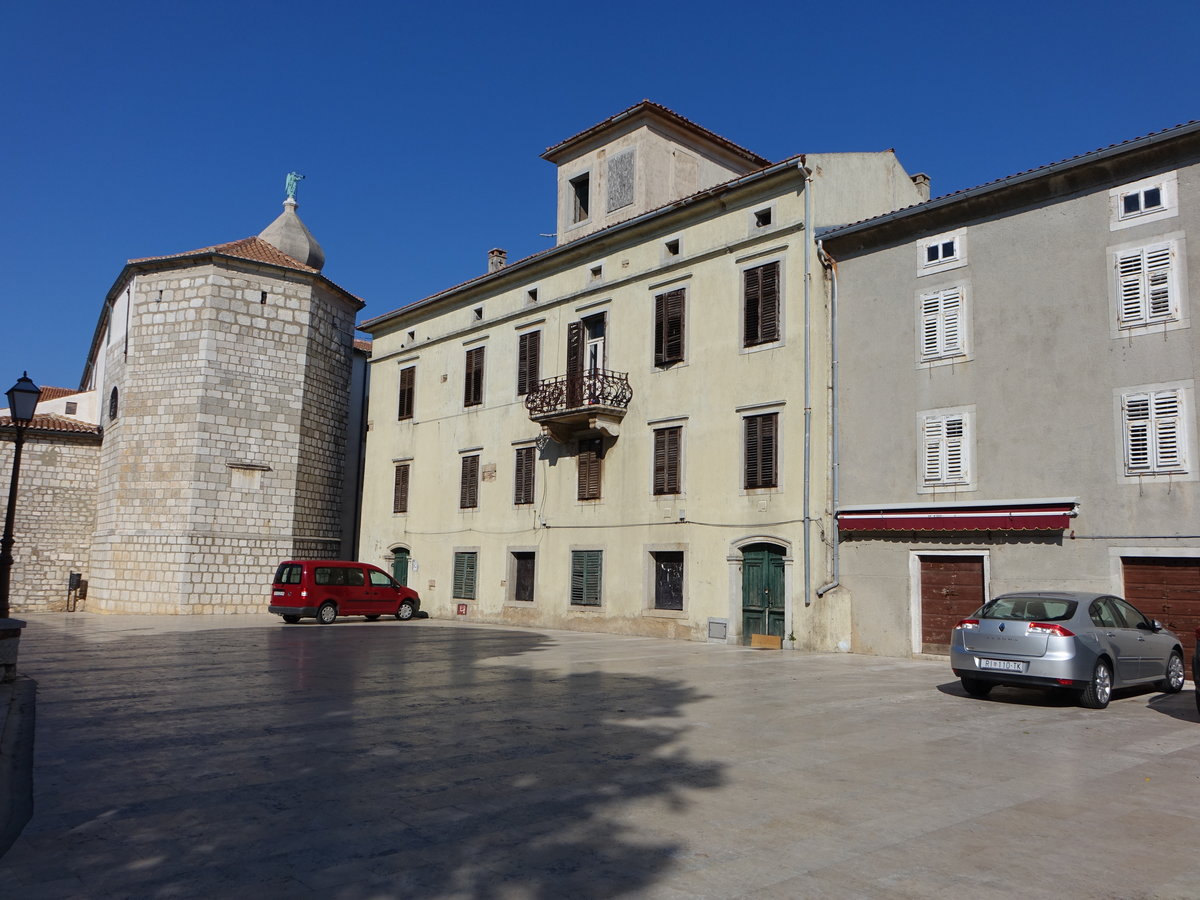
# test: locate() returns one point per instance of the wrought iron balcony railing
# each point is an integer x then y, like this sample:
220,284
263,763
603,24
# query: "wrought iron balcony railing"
585,393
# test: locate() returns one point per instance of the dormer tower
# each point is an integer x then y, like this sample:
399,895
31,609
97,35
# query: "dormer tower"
640,159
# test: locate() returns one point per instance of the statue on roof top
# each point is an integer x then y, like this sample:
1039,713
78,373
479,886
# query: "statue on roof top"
293,179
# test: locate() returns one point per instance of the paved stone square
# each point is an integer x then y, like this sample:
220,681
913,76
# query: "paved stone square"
233,756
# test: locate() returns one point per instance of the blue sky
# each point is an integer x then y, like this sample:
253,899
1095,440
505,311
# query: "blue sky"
141,129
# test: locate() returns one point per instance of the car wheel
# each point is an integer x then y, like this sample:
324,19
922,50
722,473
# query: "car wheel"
372,618
1096,695
326,613
405,611
291,620
976,687
1173,683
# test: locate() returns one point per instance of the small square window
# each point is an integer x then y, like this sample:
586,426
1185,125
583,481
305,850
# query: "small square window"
596,272
532,295
1138,202
942,252
762,218
72,407
478,312
672,248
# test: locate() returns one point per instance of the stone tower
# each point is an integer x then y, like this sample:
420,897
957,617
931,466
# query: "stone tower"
226,381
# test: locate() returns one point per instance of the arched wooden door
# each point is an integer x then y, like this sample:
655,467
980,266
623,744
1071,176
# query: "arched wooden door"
763,590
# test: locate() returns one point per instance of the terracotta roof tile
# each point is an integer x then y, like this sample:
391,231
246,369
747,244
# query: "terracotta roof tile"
55,423
670,114
360,344
56,393
251,248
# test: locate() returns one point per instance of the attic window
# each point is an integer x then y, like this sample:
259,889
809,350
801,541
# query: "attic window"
762,218
672,247
478,312
581,197
412,336
532,295
72,407
596,272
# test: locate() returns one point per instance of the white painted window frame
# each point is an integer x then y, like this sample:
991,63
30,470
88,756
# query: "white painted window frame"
942,325
1160,416
946,442
1167,183
944,263
1137,270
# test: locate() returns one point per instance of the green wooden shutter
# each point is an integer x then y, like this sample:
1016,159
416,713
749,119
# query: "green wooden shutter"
586,567
464,576
468,492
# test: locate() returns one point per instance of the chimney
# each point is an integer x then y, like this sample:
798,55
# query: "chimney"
497,260
921,181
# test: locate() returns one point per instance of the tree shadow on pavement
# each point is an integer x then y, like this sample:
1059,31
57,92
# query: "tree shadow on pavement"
351,761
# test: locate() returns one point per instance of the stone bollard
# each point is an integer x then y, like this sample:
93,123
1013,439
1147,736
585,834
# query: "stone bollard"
10,639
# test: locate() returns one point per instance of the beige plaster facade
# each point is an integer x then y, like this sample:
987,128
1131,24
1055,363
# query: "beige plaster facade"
476,555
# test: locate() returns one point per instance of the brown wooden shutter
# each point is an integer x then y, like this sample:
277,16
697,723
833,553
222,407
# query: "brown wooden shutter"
408,379
761,447
468,492
668,327
761,304
666,460
589,469
575,351
400,490
473,384
528,362
523,476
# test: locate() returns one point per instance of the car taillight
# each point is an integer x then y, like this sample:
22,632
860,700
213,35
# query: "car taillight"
1047,628
304,593
967,625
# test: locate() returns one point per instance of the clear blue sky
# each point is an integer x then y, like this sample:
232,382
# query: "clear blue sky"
140,129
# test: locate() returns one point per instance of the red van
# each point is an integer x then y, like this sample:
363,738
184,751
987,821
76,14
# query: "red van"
328,588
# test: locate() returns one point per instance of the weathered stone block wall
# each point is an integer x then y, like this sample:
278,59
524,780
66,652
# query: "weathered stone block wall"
228,447
56,512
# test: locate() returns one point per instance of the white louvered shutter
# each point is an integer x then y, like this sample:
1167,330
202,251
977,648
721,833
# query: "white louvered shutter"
1137,433
956,461
951,321
1144,285
934,435
1160,303
1168,444
930,307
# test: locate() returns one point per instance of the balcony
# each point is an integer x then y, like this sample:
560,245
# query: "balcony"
574,405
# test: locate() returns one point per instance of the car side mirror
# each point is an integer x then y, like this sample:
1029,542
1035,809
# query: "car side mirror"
1157,625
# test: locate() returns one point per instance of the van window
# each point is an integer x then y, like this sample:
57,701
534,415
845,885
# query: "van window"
327,575
379,579
287,575
354,577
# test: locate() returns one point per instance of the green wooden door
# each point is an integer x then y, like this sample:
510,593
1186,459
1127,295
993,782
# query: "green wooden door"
400,565
762,590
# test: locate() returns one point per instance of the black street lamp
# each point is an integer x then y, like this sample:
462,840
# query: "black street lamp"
22,404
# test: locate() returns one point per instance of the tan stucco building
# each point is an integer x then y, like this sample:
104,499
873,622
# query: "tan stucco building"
628,432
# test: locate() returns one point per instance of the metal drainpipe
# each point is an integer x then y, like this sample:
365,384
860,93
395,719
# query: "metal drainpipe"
834,459
807,174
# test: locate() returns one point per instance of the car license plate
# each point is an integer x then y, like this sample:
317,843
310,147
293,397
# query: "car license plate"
1004,665
279,593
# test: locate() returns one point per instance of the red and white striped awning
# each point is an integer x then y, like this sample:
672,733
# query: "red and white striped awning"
1014,516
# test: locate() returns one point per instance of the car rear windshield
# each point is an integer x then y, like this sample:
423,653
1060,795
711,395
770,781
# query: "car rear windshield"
287,574
1028,609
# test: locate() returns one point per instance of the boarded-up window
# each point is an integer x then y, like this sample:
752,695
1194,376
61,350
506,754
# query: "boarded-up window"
589,461
761,440
473,384
529,352
1154,433
760,304
586,568
666,459
400,489
620,179
464,575
468,493
408,378
523,476
668,327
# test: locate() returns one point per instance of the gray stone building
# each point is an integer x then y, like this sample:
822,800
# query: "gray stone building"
1016,394
227,386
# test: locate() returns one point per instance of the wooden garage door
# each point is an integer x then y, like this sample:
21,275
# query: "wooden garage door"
951,589
1167,589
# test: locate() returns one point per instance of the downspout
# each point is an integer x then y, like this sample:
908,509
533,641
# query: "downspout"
834,459
807,174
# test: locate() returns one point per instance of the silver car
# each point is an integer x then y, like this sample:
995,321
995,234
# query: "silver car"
1089,643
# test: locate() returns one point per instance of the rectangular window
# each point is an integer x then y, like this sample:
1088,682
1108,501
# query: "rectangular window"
529,355
586,568
589,460
1155,442
580,197
760,305
761,446
408,378
1146,285
468,492
941,251
400,489
523,571
941,324
1136,203
464,575
523,476
944,453
668,579
668,327
473,385
666,459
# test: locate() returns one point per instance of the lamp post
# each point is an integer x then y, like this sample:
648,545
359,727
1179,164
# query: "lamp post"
22,404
